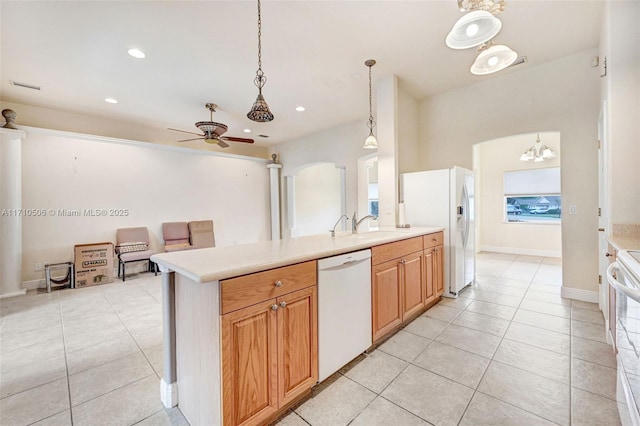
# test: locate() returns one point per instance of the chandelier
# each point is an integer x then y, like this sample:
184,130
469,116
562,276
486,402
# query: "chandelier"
478,27
371,142
260,110
538,152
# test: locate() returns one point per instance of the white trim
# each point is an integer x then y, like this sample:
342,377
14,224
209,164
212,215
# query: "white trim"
169,394
162,147
14,294
578,294
33,284
523,251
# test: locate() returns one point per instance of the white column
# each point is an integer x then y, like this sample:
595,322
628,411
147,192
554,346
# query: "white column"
274,181
10,215
387,123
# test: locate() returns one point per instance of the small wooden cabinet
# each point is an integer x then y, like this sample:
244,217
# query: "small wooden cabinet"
405,279
270,348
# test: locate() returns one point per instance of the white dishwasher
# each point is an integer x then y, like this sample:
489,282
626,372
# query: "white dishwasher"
344,310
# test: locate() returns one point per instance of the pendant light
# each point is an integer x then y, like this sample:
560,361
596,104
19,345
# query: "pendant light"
371,142
493,58
260,110
473,29
538,152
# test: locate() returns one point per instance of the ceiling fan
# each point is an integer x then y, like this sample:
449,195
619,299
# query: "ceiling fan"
212,132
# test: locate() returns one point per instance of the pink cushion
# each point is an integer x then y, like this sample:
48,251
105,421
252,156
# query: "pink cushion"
175,232
127,235
201,233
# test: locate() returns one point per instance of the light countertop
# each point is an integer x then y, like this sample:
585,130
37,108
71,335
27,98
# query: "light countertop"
625,242
216,263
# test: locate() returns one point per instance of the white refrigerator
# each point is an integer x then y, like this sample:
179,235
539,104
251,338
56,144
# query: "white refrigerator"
444,198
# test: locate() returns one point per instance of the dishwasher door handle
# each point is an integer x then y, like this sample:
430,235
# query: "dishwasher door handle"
346,264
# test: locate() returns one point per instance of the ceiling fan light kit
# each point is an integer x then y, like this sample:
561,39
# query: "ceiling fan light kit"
477,28
260,110
212,132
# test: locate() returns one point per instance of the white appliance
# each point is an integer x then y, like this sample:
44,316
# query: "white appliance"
626,282
444,198
344,310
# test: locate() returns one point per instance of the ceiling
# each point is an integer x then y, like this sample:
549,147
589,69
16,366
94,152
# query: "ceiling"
313,54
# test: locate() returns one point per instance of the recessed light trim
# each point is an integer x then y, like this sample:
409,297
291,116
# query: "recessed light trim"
111,100
136,53
247,130
300,108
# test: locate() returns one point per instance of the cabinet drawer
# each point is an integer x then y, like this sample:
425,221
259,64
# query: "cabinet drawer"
386,252
237,293
432,240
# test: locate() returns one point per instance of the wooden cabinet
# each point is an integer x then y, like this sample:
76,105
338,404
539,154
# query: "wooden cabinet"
269,349
386,298
398,290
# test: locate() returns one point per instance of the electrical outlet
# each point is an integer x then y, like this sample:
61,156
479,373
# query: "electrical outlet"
38,267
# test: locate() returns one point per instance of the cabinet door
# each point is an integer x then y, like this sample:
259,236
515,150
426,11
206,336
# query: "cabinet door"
386,298
249,364
413,281
429,270
297,343
438,270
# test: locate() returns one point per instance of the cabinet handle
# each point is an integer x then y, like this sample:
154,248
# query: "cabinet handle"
278,283
608,254
274,307
403,261
283,304
434,239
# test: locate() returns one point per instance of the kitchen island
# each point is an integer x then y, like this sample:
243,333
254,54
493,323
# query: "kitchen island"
226,326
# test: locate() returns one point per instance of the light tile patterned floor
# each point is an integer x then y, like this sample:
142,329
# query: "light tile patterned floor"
509,351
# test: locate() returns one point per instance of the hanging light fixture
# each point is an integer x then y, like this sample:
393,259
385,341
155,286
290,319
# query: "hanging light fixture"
260,110
473,29
538,152
371,142
478,26
493,58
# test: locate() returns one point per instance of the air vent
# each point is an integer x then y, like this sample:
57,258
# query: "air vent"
520,60
263,136
25,85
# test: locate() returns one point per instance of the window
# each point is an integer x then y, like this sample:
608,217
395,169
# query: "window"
533,196
373,199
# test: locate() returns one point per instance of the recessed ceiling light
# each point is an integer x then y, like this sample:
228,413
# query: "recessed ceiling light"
136,53
111,100
247,130
300,108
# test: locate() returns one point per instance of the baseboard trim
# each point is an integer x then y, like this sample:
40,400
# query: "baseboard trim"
14,294
524,252
582,295
34,284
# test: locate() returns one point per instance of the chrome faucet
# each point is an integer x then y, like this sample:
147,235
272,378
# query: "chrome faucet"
355,222
333,231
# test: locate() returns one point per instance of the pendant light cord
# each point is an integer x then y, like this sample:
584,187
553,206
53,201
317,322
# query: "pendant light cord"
260,79
371,122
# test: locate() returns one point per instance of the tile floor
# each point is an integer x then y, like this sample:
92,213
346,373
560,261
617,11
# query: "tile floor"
509,351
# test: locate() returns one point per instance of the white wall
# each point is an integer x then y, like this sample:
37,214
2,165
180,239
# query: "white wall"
620,45
561,95
318,199
494,158
156,184
408,143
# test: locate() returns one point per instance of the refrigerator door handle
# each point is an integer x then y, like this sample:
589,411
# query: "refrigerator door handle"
465,218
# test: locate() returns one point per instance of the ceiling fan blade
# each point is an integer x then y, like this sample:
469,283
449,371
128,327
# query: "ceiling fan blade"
234,139
187,140
184,131
223,144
